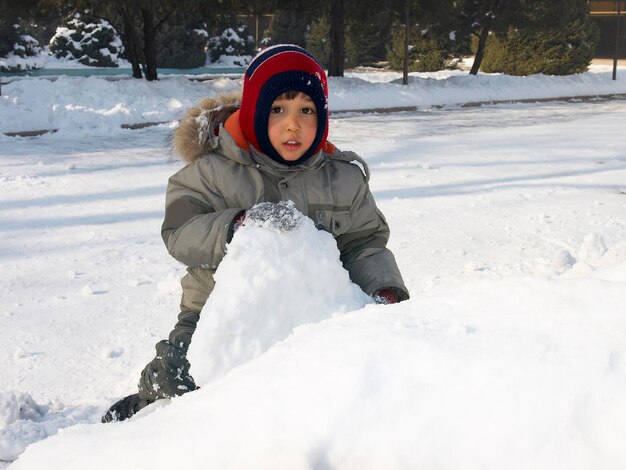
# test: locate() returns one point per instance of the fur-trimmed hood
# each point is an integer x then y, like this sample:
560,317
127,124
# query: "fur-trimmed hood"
198,131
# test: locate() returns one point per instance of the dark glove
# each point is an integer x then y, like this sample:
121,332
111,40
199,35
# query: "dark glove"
167,375
282,216
125,408
385,296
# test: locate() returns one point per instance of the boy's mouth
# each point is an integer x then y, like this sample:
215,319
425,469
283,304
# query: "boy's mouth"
292,144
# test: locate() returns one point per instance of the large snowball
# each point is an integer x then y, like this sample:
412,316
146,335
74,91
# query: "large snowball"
279,272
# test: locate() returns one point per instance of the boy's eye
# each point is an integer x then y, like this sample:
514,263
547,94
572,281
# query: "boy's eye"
276,110
308,111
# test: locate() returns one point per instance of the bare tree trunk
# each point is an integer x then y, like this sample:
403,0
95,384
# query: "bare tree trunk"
480,50
407,29
149,43
617,34
131,43
337,50
484,34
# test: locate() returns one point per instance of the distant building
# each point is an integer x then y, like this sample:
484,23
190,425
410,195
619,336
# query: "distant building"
604,13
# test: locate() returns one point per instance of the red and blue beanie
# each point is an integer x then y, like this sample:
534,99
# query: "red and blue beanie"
274,71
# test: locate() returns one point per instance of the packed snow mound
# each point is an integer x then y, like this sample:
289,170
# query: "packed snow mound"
489,374
280,272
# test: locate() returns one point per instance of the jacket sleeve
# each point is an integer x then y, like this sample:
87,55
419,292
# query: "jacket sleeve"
363,247
197,220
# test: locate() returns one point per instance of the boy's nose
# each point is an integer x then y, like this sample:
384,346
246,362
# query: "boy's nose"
292,123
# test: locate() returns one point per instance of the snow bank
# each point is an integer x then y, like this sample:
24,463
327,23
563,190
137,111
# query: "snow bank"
454,88
491,374
71,103
76,103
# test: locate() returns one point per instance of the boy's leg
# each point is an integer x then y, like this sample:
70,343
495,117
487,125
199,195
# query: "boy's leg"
167,375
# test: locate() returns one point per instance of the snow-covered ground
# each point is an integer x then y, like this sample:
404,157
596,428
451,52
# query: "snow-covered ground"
508,223
97,104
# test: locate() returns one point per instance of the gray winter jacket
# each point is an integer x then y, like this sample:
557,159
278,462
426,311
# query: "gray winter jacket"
224,176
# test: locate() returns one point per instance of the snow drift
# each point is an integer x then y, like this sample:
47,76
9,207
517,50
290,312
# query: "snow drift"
490,374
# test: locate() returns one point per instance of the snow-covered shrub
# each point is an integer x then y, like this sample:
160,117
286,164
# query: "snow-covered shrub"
90,42
318,40
231,42
15,47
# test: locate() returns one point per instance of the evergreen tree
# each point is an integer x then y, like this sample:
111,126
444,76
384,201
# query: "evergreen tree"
367,37
25,45
89,41
182,45
17,43
318,40
479,18
552,37
434,40
395,48
9,35
232,39
290,24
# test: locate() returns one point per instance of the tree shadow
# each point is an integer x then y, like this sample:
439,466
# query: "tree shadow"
72,221
83,198
490,184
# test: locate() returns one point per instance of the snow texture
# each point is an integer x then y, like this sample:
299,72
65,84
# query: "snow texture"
23,421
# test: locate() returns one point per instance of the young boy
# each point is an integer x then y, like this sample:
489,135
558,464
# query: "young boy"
270,148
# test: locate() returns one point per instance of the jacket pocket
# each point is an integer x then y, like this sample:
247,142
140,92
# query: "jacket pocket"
339,223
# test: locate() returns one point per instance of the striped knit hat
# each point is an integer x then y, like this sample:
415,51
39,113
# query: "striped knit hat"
274,71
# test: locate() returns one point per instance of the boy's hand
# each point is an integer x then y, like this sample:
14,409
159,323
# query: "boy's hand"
167,375
385,296
282,216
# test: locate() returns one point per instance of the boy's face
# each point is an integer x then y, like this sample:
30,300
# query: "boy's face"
292,126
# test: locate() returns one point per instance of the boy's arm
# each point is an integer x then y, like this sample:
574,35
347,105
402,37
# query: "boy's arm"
197,223
364,251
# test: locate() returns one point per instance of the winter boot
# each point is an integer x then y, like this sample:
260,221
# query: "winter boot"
125,408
